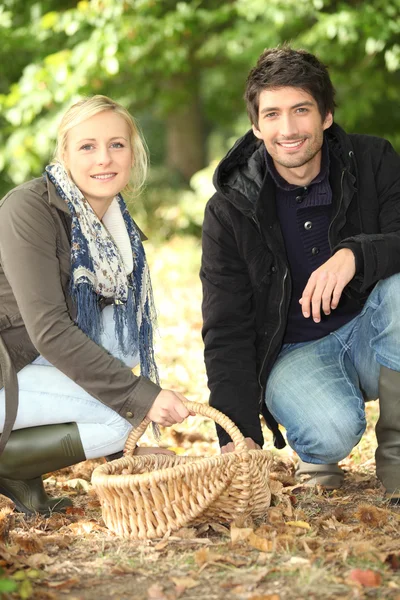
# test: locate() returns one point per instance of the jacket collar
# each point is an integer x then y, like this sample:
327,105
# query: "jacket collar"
53,197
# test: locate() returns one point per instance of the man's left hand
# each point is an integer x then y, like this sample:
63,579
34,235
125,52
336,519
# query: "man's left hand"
250,443
326,284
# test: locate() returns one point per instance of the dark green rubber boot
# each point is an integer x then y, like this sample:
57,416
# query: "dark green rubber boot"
387,455
29,454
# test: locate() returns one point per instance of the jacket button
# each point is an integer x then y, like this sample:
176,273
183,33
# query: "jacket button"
308,225
273,269
129,415
315,251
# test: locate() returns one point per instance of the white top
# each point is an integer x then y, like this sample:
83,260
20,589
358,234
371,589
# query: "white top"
115,224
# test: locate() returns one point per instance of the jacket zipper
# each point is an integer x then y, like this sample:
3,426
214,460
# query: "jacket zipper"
255,220
273,336
339,207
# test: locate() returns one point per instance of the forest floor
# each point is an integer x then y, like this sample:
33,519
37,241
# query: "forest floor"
341,545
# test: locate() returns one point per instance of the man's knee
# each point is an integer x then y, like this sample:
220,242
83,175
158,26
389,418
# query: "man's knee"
329,445
389,292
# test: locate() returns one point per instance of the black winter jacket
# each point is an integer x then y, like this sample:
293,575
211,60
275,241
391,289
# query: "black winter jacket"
244,271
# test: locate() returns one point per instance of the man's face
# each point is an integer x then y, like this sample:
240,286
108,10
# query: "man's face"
291,127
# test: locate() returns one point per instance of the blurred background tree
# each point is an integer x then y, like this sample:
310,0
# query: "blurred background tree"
180,68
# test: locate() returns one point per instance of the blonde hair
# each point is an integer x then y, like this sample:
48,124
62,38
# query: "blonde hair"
91,106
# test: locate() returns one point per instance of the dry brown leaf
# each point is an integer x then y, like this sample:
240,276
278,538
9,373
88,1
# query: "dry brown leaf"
182,584
122,570
85,527
6,518
393,560
30,543
39,560
299,524
371,515
63,585
156,592
62,541
365,577
202,556
259,543
265,597
240,534
276,487
275,514
161,545
79,484
186,533
75,510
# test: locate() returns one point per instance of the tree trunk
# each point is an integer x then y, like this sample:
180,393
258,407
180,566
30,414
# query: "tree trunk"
186,139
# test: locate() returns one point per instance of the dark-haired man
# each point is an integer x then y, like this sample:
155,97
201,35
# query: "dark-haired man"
301,276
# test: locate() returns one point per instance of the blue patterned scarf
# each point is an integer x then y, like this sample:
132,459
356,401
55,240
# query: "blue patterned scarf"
97,270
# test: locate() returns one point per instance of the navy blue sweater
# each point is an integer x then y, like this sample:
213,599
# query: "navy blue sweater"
304,214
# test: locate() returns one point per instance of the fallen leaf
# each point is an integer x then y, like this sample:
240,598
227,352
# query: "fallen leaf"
29,543
186,533
240,534
265,597
202,556
393,560
161,545
84,527
63,585
156,592
62,541
122,570
182,584
300,524
366,578
259,543
39,560
78,484
75,510
275,515
299,560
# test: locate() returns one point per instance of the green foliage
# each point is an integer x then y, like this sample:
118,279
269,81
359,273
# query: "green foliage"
159,57
6,584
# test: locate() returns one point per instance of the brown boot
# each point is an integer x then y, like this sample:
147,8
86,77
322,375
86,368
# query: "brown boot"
387,455
328,476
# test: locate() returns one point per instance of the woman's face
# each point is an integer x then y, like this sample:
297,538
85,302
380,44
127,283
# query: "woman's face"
99,158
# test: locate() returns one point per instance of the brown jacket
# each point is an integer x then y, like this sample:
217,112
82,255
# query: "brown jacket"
36,312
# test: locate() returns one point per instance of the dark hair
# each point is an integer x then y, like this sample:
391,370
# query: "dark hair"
286,67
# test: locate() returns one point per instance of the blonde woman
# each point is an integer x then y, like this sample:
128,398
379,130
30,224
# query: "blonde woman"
75,308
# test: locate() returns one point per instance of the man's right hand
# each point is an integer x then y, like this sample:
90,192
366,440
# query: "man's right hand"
231,446
168,409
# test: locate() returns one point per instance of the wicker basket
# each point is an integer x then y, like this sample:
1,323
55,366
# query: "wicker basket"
145,497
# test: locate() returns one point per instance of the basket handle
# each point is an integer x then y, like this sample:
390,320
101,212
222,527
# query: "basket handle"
200,409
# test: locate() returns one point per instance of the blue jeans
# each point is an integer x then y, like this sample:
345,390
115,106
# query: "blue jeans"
47,396
317,390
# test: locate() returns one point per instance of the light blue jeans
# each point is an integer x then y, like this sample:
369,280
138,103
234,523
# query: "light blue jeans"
47,396
317,389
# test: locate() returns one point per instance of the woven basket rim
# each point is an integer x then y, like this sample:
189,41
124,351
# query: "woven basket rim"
101,473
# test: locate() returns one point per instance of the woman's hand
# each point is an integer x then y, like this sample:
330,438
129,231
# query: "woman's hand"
168,409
